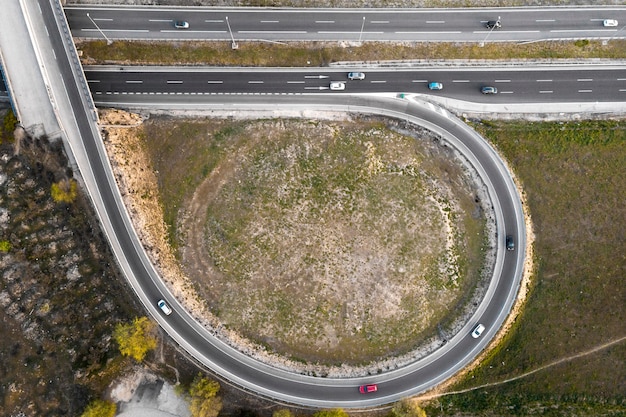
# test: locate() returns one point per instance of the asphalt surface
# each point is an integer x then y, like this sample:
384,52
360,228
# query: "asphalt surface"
88,152
519,85
450,25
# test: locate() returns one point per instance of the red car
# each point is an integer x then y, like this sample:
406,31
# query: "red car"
366,389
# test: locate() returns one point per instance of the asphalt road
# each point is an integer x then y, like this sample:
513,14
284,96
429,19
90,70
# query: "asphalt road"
519,85
395,384
315,391
266,24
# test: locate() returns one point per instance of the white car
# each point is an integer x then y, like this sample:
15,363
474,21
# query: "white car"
609,23
478,330
164,307
337,85
356,75
181,24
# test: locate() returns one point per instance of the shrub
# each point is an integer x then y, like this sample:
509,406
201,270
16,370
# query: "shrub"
5,246
204,399
64,191
100,408
137,338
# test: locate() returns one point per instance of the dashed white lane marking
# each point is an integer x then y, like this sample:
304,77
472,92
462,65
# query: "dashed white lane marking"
272,31
380,22
324,21
102,19
460,81
502,81
582,30
509,31
214,21
435,21
584,79
160,20
506,92
585,91
93,81
270,21
215,82
622,90
295,82
544,81
428,33
419,81
545,20
545,92
255,82
134,82
119,30
330,32
174,82
378,82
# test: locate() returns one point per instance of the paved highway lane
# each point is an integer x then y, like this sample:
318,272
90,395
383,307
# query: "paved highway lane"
465,25
532,85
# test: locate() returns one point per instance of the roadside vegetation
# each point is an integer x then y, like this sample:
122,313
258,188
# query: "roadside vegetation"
315,54
571,174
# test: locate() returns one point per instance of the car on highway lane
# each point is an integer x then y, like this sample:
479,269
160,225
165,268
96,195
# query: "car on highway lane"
609,23
181,24
337,85
510,243
493,24
478,330
435,86
356,75
489,90
164,307
366,389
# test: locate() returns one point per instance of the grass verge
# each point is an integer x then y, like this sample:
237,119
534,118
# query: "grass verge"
571,173
324,53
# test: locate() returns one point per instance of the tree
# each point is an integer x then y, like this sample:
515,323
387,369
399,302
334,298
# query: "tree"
335,412
204,399
100,408
64,191
407,408
137,338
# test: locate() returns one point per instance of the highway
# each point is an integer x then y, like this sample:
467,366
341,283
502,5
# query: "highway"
520,85
268,24
191,89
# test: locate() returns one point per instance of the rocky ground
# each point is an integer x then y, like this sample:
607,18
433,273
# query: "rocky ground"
60,295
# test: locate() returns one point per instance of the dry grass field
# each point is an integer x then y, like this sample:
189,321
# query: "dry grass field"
572,174
339,243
